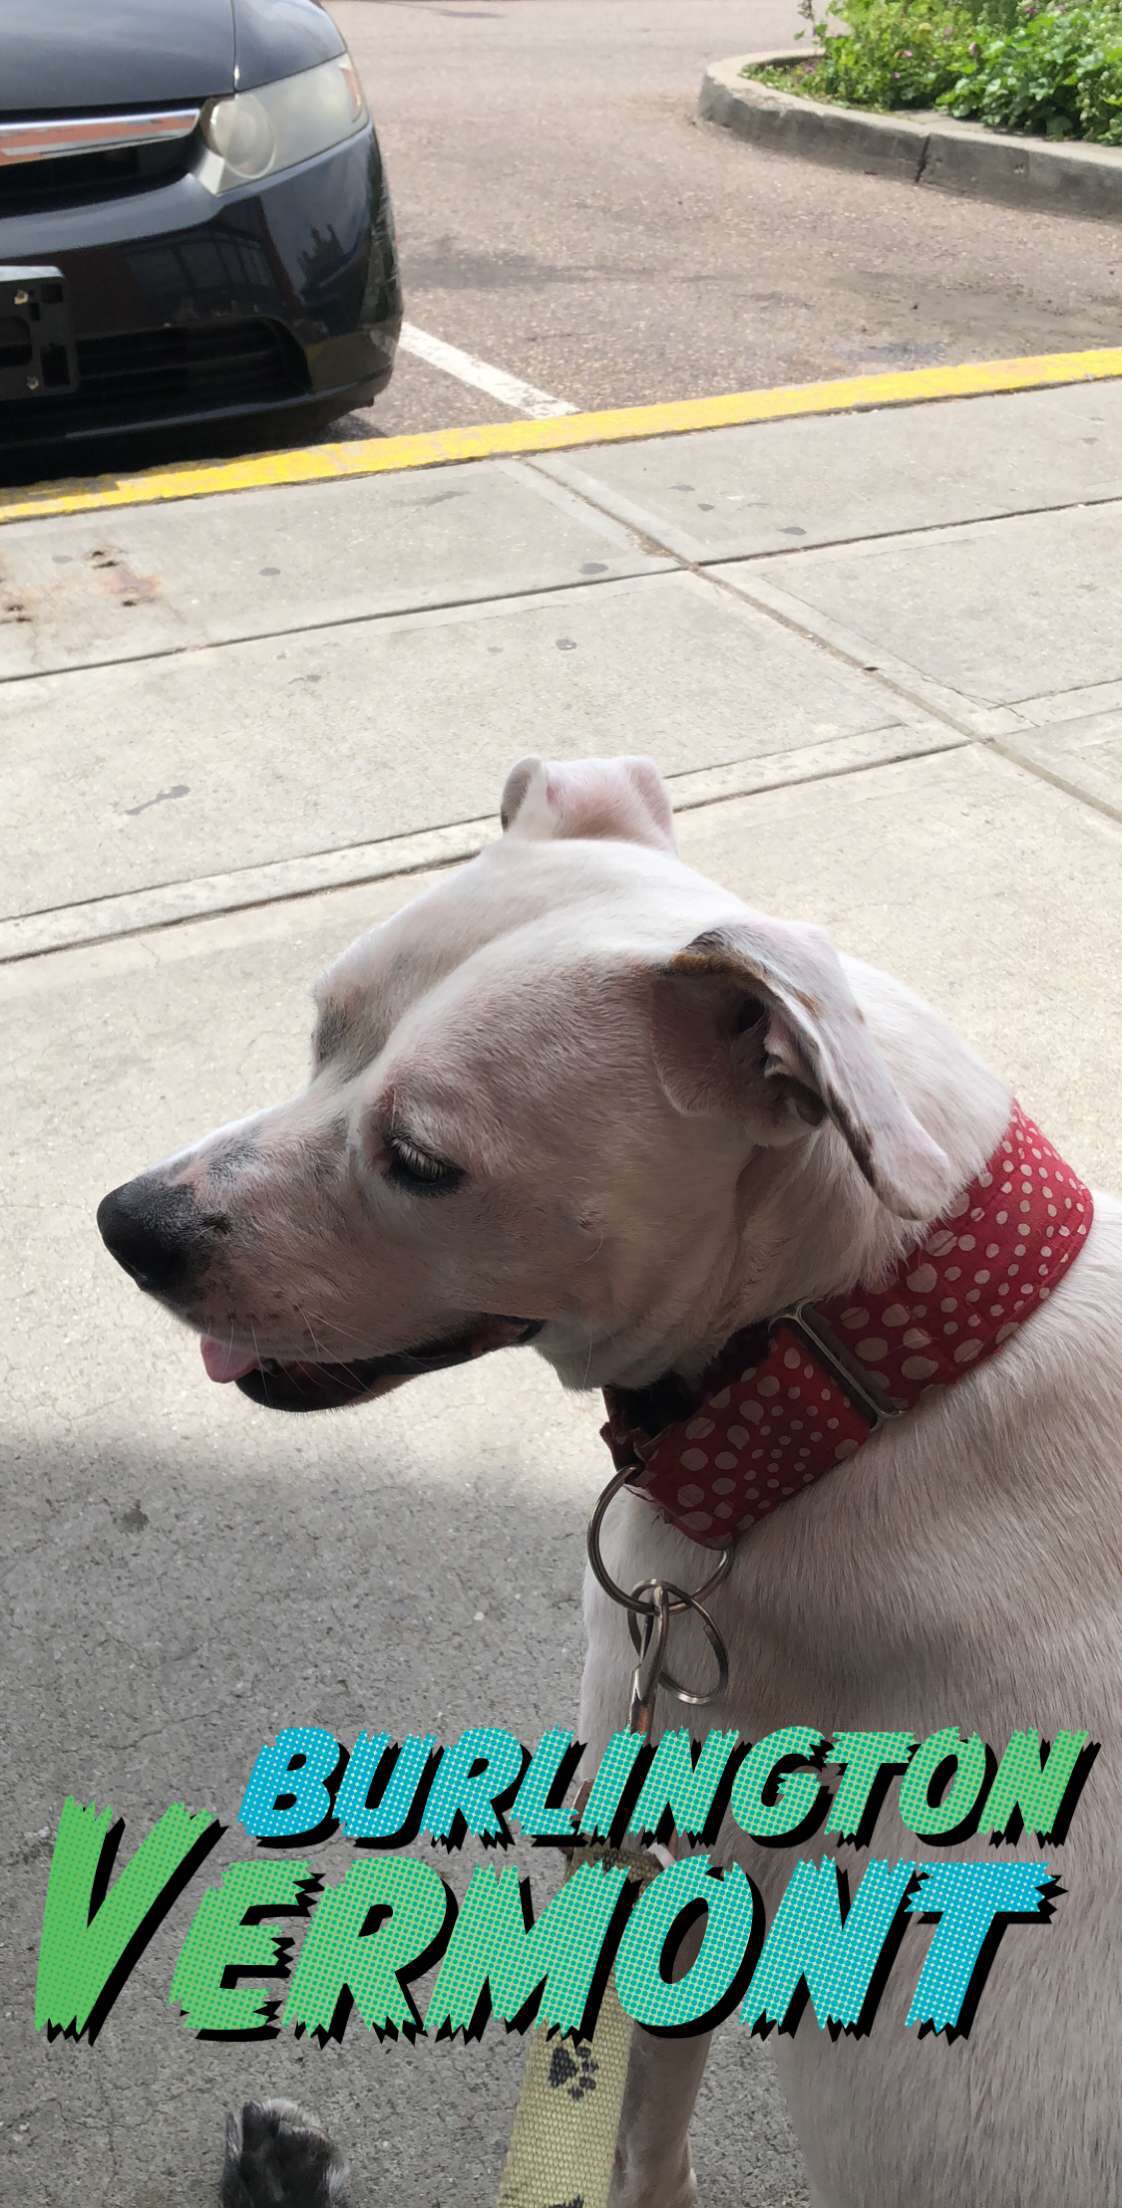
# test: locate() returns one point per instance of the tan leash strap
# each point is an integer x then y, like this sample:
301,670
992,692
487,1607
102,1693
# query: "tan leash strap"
566,2126
562,2149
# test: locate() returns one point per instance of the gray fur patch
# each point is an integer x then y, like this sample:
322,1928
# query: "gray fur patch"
277,2157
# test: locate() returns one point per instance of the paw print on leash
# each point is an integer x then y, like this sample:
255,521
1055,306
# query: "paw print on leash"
574,2070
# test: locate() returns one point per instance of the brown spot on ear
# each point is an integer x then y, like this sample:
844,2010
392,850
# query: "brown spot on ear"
712,953
517,783
857,1136
694,961
809,1004
707,952
331,1030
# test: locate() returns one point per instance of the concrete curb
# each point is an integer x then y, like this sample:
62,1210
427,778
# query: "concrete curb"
920,148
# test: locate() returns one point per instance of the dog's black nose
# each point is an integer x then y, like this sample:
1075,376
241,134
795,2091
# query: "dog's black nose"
147,1227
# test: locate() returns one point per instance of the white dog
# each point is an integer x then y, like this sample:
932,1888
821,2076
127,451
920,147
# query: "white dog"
575,1091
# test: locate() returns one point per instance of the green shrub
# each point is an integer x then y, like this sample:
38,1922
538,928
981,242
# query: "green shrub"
1042,66
1058,72
899,53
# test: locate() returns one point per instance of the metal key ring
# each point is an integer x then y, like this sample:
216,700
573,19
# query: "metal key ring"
631,1603
680,1600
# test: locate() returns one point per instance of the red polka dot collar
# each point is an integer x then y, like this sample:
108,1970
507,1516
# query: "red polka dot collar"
790,1398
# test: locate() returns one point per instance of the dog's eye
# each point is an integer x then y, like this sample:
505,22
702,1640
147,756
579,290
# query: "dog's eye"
418,1169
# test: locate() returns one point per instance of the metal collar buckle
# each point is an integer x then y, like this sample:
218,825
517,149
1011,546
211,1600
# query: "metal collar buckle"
803,1320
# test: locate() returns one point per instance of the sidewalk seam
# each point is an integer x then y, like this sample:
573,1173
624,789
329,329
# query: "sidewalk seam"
886,538
652,548
972,718
431,849
1005,749
910,687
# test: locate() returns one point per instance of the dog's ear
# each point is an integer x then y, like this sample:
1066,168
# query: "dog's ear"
624,800
756,1020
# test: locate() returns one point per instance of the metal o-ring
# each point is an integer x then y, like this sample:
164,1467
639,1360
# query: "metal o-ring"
680,1600
630,1602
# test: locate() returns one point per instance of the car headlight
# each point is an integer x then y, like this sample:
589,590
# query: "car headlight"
253,134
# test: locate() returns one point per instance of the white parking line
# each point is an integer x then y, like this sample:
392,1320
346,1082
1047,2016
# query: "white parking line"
525,398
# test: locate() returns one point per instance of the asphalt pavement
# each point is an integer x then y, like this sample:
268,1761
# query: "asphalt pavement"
571,229
880,656
566,218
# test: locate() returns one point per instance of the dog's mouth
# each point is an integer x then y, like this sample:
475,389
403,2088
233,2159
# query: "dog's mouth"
306,1385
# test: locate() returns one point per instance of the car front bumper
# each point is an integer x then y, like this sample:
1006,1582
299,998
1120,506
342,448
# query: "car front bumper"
190,309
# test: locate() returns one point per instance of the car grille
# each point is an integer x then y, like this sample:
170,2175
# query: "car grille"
153,376
85,179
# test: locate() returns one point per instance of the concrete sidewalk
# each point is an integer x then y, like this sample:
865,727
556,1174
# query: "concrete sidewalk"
880,655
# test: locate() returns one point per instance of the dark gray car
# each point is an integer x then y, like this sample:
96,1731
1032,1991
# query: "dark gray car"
194,219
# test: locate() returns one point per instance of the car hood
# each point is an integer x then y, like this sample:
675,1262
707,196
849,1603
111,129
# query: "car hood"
75,56
68,57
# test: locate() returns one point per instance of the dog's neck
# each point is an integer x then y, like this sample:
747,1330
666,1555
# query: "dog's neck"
789,1401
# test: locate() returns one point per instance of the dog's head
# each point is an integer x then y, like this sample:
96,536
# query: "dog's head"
551,1097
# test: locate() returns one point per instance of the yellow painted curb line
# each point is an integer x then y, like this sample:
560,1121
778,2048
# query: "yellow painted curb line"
329,463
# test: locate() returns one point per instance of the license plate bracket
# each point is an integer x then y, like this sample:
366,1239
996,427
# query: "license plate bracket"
38,359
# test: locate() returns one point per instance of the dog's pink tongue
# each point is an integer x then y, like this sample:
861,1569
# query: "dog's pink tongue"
222,1363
